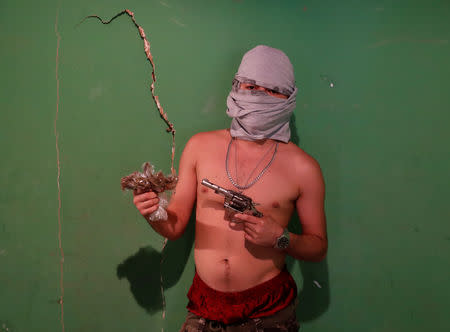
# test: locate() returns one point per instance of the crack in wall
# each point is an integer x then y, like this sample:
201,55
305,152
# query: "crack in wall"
58,177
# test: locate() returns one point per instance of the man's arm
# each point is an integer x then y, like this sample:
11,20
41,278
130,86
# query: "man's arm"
181,202
312,244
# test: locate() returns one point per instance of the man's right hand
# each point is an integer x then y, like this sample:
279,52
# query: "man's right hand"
146,203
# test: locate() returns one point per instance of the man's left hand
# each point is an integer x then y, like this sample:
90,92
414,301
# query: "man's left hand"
261,231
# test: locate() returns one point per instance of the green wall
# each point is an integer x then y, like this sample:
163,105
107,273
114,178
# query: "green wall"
381,135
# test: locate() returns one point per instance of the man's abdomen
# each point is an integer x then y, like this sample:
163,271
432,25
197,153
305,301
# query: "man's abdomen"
225,261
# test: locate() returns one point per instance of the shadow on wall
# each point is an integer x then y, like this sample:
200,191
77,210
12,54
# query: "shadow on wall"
314,297
143,270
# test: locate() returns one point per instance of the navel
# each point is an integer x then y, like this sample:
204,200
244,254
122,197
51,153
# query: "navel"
226,267
276,205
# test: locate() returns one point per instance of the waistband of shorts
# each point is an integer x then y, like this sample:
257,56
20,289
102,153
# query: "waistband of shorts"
273,285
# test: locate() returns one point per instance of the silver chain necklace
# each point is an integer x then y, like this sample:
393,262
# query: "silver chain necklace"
248,185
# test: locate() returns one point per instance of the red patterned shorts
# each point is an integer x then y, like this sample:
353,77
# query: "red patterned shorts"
263,300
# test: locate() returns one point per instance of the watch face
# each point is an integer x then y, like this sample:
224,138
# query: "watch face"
283,242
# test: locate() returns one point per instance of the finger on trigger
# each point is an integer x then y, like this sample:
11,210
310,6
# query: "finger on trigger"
249,219
240,216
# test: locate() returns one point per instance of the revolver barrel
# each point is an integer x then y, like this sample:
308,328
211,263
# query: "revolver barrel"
215,187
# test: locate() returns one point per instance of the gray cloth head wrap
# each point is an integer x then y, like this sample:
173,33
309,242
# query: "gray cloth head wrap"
255,114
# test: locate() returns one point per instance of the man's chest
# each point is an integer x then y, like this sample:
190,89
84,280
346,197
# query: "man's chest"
275,188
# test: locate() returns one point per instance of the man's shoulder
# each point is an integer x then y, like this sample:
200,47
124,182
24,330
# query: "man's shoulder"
205,141
300,159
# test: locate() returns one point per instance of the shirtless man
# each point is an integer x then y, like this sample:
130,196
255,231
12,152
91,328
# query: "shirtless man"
241,283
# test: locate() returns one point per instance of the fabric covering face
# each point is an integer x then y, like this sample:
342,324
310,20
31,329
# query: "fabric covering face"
255,114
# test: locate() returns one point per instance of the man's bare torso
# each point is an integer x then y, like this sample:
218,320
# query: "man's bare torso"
223,258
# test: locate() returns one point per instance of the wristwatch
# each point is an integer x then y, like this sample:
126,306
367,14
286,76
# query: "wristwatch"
283,241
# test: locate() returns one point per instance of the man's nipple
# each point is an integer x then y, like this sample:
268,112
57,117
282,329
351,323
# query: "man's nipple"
276,205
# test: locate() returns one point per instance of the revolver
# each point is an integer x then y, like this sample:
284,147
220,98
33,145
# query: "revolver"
234,201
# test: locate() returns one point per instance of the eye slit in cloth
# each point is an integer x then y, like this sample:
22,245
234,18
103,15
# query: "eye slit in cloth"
273,89
258,90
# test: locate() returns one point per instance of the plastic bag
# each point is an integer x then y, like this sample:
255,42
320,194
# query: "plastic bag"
161,213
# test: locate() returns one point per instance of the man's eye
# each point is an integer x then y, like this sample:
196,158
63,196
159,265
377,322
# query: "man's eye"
250,87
